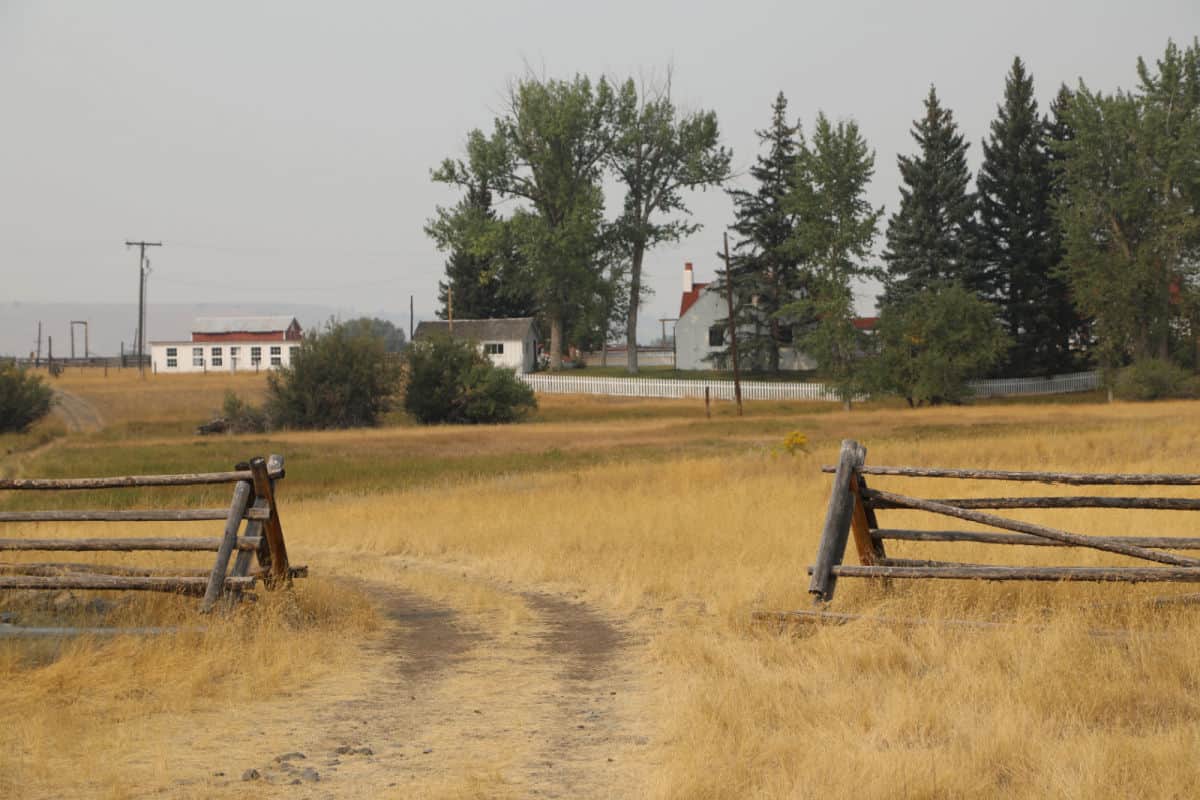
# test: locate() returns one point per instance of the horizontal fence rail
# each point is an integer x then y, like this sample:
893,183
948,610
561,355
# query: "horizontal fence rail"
675,388
996,573
135,515
133,481
1069,478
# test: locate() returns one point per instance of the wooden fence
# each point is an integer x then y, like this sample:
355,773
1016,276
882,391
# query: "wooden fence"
252,533
671,388
853,508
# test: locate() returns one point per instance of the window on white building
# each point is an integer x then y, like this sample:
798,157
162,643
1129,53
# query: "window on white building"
276,356
716,336
292,352
197,356
172,356
494,348
216,357
256,355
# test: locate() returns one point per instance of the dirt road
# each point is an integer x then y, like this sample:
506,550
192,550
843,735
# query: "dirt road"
451,701
80,415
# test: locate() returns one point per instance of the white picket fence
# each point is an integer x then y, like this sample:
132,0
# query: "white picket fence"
1058,384
764,390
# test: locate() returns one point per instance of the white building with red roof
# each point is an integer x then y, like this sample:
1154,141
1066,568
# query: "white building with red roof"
699,333
230,344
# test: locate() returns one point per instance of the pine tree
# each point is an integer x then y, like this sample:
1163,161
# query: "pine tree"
835,229
484,268
930,240
767,267
1018,237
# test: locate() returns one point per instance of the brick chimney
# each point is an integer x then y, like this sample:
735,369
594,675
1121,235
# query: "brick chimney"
688,278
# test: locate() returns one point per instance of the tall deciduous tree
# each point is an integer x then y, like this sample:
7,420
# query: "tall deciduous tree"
930,239
767,267
1018,236
547,151
1131,206
658,154
835,228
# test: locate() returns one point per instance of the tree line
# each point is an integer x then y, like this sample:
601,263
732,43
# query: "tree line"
1076,244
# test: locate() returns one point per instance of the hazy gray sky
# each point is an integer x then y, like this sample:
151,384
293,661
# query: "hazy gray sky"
282,150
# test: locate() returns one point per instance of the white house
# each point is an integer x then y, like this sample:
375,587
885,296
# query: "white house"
698,334
230,344
510,343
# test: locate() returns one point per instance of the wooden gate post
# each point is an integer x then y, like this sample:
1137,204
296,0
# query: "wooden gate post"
838,516
273,555
237,510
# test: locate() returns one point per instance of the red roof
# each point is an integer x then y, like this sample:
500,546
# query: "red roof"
866,323
690,298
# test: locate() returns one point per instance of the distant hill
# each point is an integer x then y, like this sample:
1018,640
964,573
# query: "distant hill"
110,324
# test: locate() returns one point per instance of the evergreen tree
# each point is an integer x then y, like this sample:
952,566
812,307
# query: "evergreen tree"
1018,237
930,239
767,267
836,228
487,274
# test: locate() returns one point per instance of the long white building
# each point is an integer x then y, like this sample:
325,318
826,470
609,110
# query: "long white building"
230,344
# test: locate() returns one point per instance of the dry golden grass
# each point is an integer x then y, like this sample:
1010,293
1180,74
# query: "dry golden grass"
88,713
690,547
122,398
701,523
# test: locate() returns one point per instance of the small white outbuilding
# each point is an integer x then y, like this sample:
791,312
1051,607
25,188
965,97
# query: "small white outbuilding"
509,343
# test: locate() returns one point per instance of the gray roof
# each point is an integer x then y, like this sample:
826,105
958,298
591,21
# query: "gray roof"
241,324
480,330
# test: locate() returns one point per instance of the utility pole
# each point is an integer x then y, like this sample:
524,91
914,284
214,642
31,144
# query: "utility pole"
737,377
141,326
410,318
450,306
38,360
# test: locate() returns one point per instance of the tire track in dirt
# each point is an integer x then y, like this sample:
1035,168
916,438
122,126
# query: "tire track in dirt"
585,649
80,415
447,702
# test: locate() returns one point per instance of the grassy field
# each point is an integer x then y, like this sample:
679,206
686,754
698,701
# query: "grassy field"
680,526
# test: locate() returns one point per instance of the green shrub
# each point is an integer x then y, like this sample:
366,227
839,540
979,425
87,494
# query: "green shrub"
341,377
1154,379
451,381
24,398
933,344
241,416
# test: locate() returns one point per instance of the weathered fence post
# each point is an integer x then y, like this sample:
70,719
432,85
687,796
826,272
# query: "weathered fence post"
273,554
838,518
237,510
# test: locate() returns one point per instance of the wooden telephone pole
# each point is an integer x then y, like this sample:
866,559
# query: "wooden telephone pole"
737,376
141,326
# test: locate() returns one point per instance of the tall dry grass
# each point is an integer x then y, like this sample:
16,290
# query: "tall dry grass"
684,528
689,547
